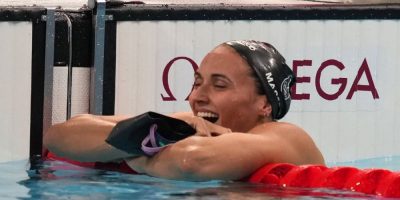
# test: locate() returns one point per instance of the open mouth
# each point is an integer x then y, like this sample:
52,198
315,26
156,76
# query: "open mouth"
211,117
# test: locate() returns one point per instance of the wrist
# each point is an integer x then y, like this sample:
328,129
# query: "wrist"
138,164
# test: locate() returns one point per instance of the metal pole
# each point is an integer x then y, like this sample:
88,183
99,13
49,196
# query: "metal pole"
97,71
48,70
69,80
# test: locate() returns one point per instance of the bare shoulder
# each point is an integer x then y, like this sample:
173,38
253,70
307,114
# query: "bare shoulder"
284,133
279,128
298,145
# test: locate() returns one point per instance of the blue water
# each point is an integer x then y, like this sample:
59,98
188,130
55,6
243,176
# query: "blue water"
59,180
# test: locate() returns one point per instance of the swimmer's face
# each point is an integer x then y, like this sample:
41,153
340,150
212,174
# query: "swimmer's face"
225,93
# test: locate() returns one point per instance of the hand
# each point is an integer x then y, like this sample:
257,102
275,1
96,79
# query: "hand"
205,128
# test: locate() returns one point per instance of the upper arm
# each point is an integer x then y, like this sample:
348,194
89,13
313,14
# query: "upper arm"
82,138
109,118
77,127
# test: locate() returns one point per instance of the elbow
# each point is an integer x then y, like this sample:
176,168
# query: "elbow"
54,136
193,162
50,138
53,140
189,164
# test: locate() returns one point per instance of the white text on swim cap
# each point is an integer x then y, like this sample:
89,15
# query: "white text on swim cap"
248,44
270,80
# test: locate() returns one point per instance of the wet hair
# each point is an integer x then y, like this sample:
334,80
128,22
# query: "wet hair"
274,77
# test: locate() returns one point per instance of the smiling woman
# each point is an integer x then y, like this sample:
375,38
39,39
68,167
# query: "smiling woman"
240,91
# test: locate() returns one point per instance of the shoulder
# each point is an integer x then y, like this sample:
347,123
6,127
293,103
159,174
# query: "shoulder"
283,133
297,144
278,127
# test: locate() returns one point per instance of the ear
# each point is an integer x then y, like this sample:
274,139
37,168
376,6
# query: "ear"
264,107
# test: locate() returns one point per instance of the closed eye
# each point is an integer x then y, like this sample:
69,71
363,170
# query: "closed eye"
219,85
197,80
221,82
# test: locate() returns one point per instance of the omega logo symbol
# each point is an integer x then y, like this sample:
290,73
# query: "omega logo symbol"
170,96
356,86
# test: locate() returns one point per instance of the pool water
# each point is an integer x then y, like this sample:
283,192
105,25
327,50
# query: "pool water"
60,180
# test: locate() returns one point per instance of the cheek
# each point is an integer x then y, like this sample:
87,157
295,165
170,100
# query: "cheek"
191,102
239,102
235,110
238,120
242,106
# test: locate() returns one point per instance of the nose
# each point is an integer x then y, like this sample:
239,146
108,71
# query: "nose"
199,95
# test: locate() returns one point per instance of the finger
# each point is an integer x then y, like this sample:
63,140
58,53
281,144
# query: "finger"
220,131
201,127
216,130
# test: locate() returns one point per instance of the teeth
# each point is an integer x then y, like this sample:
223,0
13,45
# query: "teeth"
207,114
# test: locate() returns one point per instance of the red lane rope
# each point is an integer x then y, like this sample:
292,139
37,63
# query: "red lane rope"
380,182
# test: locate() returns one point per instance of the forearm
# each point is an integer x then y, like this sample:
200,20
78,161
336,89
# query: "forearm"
171,163
82,138
196,158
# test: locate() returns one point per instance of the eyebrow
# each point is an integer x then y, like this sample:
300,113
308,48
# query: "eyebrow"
213,76
221,76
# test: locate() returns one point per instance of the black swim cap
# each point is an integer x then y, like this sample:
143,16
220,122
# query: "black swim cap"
274,74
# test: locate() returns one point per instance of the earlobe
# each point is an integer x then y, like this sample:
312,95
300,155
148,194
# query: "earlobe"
265,108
